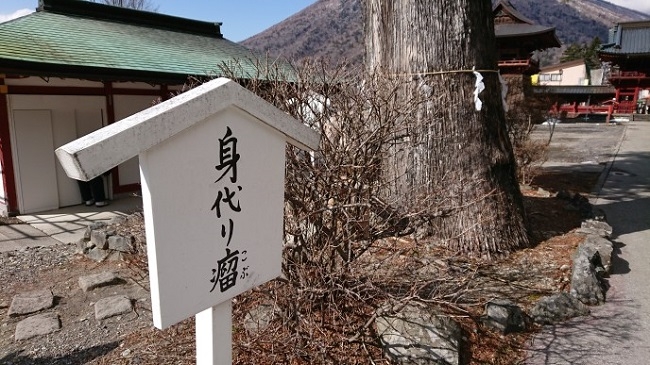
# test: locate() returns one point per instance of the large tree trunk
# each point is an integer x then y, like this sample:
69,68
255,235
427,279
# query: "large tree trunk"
462,157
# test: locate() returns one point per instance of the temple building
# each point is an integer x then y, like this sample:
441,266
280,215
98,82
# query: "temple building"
518,38
628,54
73,67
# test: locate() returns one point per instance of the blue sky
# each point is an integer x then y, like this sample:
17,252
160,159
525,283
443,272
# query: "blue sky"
241,18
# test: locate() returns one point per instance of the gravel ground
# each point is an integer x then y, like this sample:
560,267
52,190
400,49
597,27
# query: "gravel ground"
81,337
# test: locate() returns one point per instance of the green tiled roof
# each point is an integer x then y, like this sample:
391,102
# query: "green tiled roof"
57,42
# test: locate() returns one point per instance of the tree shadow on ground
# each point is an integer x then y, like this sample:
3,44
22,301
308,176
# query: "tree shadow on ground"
613,333
569,178
75,357
587,340
625,194
620,266
550,217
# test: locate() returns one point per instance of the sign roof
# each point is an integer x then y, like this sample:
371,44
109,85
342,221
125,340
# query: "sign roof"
88,156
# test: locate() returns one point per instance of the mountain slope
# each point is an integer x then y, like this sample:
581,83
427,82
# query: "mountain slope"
333,29
326,28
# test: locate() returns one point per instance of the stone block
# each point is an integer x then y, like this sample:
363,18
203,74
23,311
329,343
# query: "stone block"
117,220
97,225
112,306
564,195
557,308
90,282
504,316
98,254
38,325
600,228
596,244
117,256
120,243
417,336
599,214
98,238
586,285
259,318
87,233
31,302
80,247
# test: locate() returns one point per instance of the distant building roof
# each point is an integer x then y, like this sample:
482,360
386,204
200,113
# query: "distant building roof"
629,38
563,65
510,24
505,12
71,38
515,30
574,90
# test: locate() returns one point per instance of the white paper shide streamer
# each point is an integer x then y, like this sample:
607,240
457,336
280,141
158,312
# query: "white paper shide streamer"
480,86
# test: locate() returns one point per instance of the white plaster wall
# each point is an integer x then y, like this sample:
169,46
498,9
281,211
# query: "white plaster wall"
571,76
73,117
70,118
125,106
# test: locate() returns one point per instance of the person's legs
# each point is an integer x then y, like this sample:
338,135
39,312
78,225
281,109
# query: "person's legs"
97,187
86,192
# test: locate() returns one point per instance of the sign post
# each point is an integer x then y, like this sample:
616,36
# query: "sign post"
214,335
212,174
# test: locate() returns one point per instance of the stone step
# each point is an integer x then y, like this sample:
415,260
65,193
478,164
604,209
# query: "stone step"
641,117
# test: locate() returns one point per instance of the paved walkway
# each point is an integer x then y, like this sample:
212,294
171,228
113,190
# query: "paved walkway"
65,225
619,331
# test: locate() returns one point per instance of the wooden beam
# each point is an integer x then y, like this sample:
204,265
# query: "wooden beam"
79,90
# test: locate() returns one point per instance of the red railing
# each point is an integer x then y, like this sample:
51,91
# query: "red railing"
574,109
527,62
626,107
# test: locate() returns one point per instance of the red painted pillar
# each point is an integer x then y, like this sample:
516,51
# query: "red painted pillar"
6,158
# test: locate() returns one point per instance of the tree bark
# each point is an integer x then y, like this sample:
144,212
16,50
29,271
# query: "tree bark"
453,155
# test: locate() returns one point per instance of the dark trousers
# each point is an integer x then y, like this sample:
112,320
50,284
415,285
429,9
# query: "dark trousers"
93,189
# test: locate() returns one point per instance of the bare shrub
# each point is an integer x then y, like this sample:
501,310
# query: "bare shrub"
525,111
348,246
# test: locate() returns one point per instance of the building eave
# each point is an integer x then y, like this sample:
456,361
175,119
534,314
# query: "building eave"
25,68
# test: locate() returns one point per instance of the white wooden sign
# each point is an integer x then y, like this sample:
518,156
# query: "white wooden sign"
212,170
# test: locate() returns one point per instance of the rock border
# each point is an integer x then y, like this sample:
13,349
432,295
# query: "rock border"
413,334
100,242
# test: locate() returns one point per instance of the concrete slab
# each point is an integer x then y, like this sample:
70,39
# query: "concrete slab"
616,332
19,236
67,225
